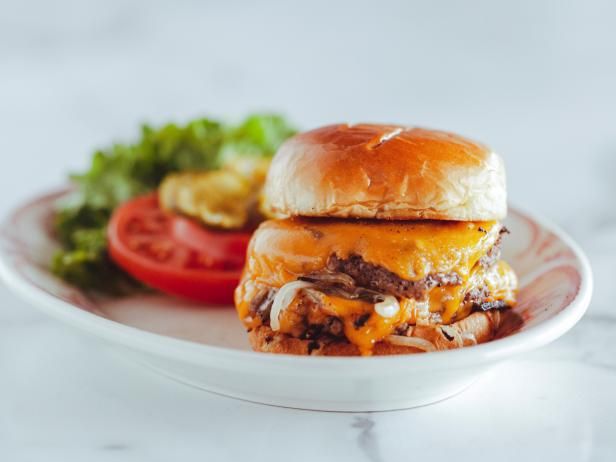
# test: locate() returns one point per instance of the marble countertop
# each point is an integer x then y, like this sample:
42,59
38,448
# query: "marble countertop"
533,79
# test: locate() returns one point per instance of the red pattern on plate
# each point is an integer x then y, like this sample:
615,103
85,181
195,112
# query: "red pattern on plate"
548,294
27,240
546,265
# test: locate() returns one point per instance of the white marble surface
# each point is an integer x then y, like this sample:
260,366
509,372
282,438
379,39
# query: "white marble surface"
533,79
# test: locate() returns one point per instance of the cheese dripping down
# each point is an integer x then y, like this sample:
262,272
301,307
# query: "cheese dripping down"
387,308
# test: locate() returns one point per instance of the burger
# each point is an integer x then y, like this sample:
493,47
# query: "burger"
385,240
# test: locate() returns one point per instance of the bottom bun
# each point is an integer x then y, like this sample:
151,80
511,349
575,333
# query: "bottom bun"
477,328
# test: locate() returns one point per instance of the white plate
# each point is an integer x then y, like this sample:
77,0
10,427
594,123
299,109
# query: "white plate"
207,347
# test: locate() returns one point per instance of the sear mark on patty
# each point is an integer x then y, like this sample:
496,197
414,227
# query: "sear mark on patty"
261,304
312,346
487,306
478,296
331,327
361,320
494,253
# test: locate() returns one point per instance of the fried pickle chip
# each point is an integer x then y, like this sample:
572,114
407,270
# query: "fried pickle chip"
225,198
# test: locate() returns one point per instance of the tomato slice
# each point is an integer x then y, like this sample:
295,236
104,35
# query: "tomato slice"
174,254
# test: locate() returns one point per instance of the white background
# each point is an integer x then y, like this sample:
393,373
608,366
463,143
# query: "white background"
534,79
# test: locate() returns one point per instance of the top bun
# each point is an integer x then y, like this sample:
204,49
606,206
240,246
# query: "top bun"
386,172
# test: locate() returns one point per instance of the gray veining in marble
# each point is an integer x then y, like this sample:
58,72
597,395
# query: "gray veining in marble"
366,438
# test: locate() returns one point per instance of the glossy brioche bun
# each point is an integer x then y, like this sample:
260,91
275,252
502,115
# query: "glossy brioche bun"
387,172
480,326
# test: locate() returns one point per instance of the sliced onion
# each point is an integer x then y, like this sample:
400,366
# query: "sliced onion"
387,308
341,285
415,342
283,299
333,278
467,336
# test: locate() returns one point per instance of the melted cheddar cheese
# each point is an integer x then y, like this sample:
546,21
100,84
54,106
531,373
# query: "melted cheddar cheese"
283,250
364,334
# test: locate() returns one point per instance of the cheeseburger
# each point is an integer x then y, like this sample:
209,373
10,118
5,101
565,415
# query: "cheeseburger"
387,241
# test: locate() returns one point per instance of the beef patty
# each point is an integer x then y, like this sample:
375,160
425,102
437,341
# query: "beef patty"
354,278
382,280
